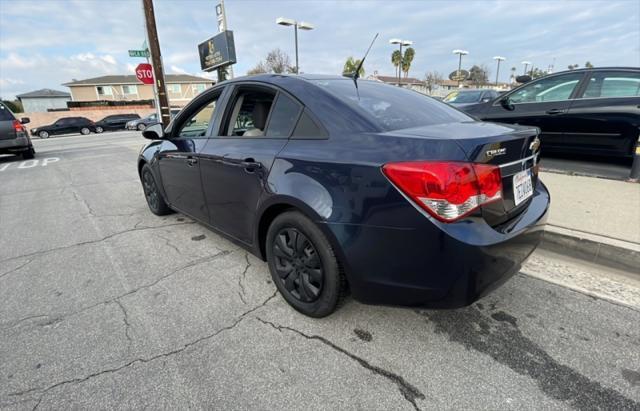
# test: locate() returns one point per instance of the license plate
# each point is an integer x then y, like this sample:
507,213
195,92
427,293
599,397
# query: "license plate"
522,187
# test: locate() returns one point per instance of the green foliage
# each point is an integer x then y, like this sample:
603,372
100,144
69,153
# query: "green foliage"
409,54
15,106
350,67
479,75
588,64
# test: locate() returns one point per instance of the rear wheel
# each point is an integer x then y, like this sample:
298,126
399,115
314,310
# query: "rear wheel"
99,129
141,127
303,265
84,131
29,154
155,201
43,134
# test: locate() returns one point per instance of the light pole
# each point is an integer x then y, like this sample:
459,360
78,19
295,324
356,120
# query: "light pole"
296,25
401,43
460,53
498,59
526,64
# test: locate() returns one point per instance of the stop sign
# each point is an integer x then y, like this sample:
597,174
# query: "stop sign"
144,73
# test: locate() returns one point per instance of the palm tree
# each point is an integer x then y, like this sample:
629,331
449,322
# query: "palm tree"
396,58
351,65
409,53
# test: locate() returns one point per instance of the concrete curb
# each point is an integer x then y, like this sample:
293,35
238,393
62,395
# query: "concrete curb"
597,249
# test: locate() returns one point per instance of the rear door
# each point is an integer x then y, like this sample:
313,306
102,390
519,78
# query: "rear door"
542,103
257,124
605,118
7,132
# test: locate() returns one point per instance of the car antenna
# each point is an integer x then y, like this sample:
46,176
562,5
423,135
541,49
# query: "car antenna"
356,74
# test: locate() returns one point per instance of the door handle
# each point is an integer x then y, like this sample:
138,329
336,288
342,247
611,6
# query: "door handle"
250,165
191,161
555,111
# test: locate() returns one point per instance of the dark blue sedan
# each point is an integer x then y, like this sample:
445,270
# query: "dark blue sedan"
352,187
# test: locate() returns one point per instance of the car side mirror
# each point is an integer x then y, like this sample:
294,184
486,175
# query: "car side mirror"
486,100
506,103
525,78
25,120
154,132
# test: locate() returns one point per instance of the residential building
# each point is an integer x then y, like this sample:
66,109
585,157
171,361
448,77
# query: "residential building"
43,100
407,82
181,88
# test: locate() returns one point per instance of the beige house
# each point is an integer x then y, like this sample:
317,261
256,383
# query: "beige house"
181,88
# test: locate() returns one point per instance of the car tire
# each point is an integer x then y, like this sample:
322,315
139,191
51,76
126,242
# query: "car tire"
141,127
295,248
29,154
43,134
99,129
85,131
154,198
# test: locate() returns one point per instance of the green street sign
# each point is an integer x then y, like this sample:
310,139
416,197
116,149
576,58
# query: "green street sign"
138,53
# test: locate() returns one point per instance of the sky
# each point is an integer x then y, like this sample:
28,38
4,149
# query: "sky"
45,43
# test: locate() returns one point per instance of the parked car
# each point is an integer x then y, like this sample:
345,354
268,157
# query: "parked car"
588,111
379,190
145,122
115,122
464,97
66,125
14,137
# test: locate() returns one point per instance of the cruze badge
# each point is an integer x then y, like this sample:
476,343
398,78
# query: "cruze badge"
496,152
535,144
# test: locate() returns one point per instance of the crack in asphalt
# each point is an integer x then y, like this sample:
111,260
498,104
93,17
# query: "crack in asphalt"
99,240
17,268
130,292
44,390
168,243
127,325
242,277
408,391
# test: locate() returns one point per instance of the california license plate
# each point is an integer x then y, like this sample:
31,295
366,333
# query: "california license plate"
522,187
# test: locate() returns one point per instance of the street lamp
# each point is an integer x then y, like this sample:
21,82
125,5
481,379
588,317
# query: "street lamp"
526,64
401,43
296,25
498,59
460,53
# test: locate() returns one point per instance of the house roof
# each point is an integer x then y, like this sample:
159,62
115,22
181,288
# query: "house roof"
131,79
394,80
45,92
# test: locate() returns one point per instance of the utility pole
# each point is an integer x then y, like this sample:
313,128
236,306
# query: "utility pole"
156,61
221,14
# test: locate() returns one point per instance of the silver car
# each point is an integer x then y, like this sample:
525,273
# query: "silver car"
14,137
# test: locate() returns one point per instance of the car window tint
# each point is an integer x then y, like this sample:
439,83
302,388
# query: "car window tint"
307,128
5,114
249,114
613,84
283,116
391,107
556,88
198,124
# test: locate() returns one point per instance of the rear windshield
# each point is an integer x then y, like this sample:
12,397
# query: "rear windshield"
391,107
5,114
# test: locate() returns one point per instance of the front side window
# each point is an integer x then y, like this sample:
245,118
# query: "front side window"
613,84
556,88
250,112
104,90
198,124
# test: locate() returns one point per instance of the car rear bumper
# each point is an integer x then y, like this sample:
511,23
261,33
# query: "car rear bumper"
14,145
435,265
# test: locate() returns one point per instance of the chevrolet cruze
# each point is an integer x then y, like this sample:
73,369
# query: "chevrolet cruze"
352,186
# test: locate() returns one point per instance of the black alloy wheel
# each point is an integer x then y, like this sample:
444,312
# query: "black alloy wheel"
298,265
156,203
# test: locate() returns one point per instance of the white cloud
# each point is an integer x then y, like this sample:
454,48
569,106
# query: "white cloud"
178,70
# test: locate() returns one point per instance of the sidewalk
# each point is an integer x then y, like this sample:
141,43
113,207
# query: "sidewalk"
594,219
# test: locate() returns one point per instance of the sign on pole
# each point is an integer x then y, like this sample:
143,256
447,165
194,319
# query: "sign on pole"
139,53
144,73
218,51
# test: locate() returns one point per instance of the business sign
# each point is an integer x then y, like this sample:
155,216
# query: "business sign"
218,51
144,73
138,53
459,75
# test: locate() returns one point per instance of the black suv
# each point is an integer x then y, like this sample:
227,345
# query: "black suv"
14,138
586,111
66,125
115,122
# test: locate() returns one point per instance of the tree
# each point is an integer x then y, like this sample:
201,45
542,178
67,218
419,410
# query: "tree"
396,59
536,73
409,54
513,74
431,79
350,67
572,66
15,105
588,64
479,74
277,61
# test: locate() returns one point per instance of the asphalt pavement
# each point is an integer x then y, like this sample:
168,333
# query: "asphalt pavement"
104,305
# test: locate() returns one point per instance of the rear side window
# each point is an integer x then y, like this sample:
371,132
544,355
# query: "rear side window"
613,84
391,107
283,118
307,128
5,114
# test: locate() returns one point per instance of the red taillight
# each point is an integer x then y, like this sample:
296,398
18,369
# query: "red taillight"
446,190
18,127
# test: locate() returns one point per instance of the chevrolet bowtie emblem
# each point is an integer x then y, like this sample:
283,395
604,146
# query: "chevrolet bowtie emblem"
535,145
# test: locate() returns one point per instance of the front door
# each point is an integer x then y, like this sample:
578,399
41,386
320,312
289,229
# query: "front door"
236,164
179,160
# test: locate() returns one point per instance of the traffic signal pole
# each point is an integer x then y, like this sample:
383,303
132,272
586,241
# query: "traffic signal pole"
156,62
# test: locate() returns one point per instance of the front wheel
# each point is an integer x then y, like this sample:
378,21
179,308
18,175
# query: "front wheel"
99,129
155,201
303,265
84,131
43,134
141,127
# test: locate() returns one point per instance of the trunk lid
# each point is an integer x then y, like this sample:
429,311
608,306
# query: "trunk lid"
514,149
